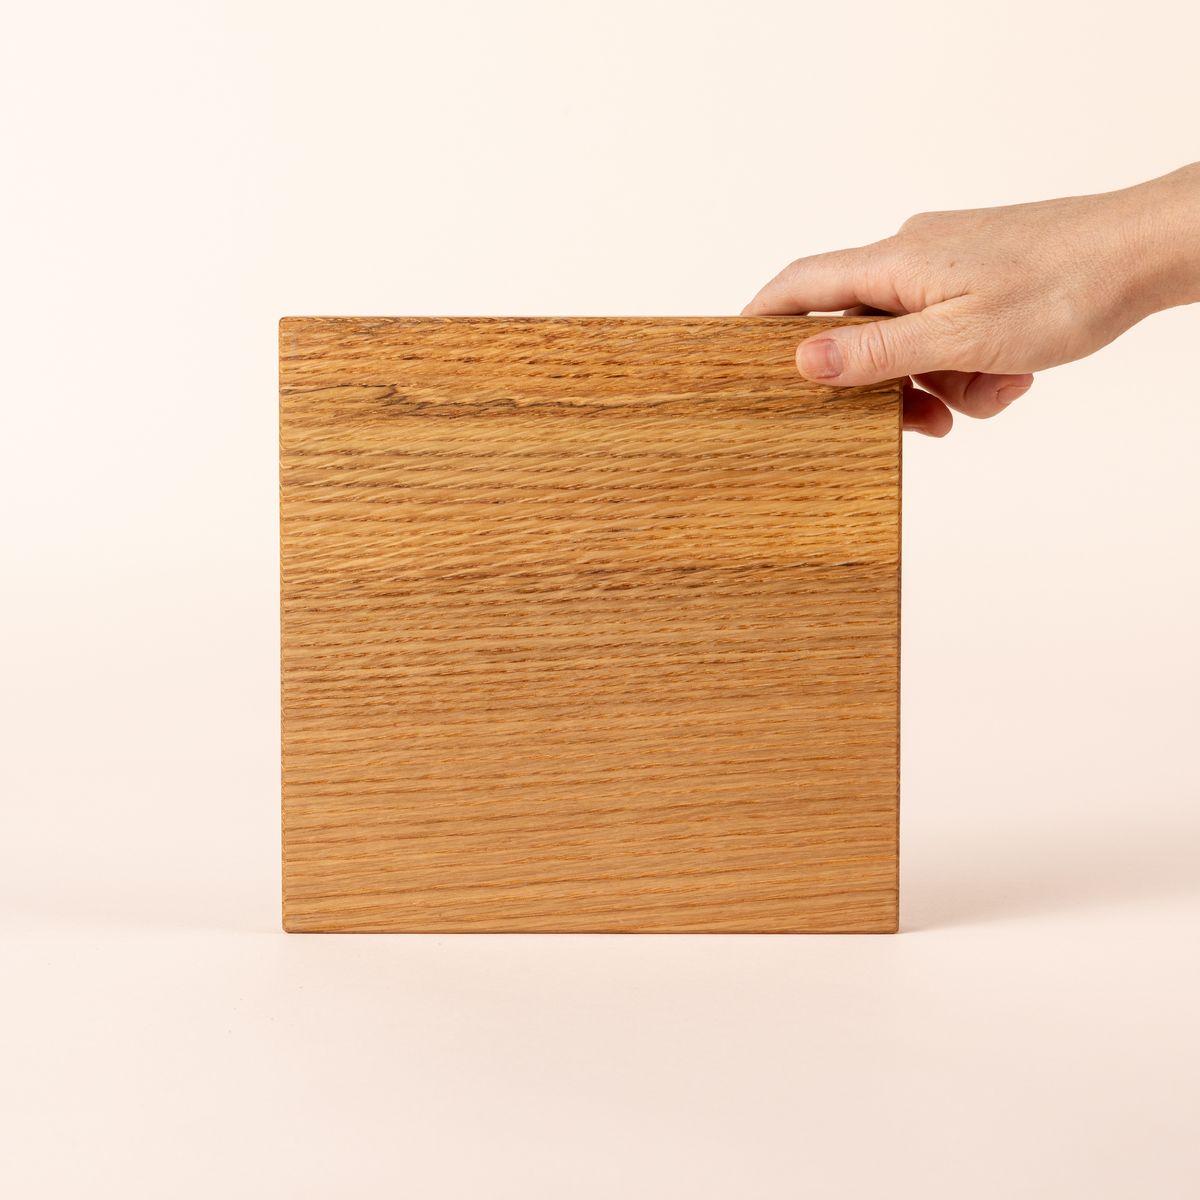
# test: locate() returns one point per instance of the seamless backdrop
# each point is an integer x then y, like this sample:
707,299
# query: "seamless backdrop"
177,176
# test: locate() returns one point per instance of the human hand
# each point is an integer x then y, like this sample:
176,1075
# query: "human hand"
985,297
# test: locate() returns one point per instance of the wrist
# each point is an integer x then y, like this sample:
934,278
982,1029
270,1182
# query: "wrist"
1164,240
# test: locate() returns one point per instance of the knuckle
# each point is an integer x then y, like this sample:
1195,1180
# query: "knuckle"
875,348
979,400
916,221
933,216
970,340
910,264
880,258
793,268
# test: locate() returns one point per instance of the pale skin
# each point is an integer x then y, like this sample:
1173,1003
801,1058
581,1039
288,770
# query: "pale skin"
983,298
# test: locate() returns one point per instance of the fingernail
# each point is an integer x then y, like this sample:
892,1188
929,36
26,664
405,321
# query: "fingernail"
1006,395
820,359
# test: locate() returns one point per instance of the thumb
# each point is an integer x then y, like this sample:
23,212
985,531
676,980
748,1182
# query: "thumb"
851,355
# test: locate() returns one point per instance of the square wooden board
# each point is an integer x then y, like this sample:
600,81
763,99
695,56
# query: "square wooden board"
587,625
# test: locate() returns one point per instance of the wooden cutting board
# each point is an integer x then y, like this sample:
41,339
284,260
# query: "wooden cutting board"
587,624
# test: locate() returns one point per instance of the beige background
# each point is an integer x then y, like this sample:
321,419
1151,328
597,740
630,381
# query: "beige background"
177,176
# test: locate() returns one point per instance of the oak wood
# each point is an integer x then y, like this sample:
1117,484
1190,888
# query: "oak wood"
587,624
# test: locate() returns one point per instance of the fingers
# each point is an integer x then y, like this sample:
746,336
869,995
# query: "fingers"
935,346
976,394
852,355
925,413
822,283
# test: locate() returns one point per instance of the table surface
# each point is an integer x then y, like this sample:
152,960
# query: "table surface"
1041,979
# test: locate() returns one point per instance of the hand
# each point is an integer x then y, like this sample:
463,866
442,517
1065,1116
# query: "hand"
988,296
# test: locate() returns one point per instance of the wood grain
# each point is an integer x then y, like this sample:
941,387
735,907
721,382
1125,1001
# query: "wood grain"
587,624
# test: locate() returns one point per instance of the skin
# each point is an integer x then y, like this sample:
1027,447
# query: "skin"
983,298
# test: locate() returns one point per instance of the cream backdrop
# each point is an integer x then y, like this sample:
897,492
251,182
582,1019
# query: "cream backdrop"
177,177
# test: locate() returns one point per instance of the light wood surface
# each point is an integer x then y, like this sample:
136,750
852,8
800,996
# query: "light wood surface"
587,624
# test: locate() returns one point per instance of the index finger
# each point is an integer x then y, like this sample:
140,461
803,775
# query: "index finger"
821,283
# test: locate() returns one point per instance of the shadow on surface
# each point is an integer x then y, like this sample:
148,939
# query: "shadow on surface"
153,907
1012,874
